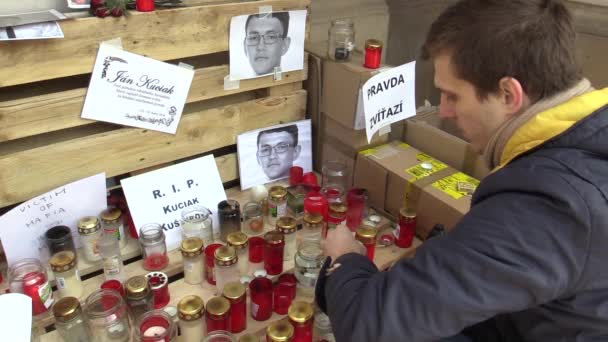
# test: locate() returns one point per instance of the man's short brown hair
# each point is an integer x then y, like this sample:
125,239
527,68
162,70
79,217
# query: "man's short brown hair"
532,41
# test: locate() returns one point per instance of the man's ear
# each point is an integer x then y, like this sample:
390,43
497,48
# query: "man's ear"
512,94
286,43
296,152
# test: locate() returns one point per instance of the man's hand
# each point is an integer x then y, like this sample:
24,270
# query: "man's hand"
341,241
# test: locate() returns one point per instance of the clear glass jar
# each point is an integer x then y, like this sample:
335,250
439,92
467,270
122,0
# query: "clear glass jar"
140,298
236,293
191,310
240,242
308,263
220,336
112,221
89,229
107,317
109,249
154,249
192,257
59,238
277,203
279,331
229,215
274,247
197,221
218,314
357,207
66,274
341,40
253,219
312,229
334,179
69,320
287,226
155,326
226,268
28,276
301,317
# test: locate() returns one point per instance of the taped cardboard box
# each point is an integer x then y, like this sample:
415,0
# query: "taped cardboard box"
397,170
347,140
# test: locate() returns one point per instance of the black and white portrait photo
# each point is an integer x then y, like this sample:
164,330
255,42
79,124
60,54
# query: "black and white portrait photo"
259,43
267,154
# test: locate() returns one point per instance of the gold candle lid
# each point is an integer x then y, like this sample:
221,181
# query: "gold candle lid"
249,338
373,44
286,224
280,331
88,225
313,218
225,256
338,207
111,215
137,287
277,192
407,213
366,234
234,290
63,261
218,306
274,237
66,308
190,308
238,240
192,247
300,312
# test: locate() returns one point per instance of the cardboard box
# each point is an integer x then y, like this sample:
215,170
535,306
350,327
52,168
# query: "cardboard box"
347,140
393,172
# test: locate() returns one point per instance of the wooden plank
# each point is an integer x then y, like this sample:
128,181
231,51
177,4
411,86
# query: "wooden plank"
162,35
26,174
50,112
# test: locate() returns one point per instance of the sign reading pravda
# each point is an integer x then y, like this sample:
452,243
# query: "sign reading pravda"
389,97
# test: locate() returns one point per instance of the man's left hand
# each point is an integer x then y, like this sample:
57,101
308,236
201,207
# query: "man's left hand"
341,241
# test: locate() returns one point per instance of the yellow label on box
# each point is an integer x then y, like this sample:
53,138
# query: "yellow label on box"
457,185
428,167
404,145
368,151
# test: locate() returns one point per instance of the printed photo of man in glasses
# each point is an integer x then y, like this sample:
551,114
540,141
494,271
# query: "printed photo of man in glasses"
277,150
266,40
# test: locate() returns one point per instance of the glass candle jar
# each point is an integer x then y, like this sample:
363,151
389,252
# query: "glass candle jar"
112,221
295,202
220,336
240,242
274,247
210,262
260,290
356,200
89,229
28,276
229,214
334,175
69,320
256,254
191,310
407,228
253,219
159,284
236,293
337,214
308,263
284,292
107,317
59,238
115,285
373,53
218,314
155,326
226,268
139,296
367,236
192,258
277,203
197,222
315,202
152,241
279,331
109,249
312,228
341,40
287,226
301,317
66,274
145,5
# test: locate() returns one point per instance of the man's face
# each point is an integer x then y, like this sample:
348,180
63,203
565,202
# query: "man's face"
478,119
271,46
276,154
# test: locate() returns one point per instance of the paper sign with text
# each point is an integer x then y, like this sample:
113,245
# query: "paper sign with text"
160,196
389,97
134,90
22,229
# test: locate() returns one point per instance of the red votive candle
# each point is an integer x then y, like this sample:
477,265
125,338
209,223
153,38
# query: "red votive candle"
373,53
236,294
145,5
356,199
407,228
301,317
281,298
218,314
295,175
274,248
159,283
209,262
367,236
290,281
260,290
115,285
310,178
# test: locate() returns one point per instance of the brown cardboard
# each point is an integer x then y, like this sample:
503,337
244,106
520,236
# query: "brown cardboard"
347,140
329,152
313,112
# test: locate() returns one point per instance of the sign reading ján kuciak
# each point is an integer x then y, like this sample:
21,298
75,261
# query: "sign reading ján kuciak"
389,97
